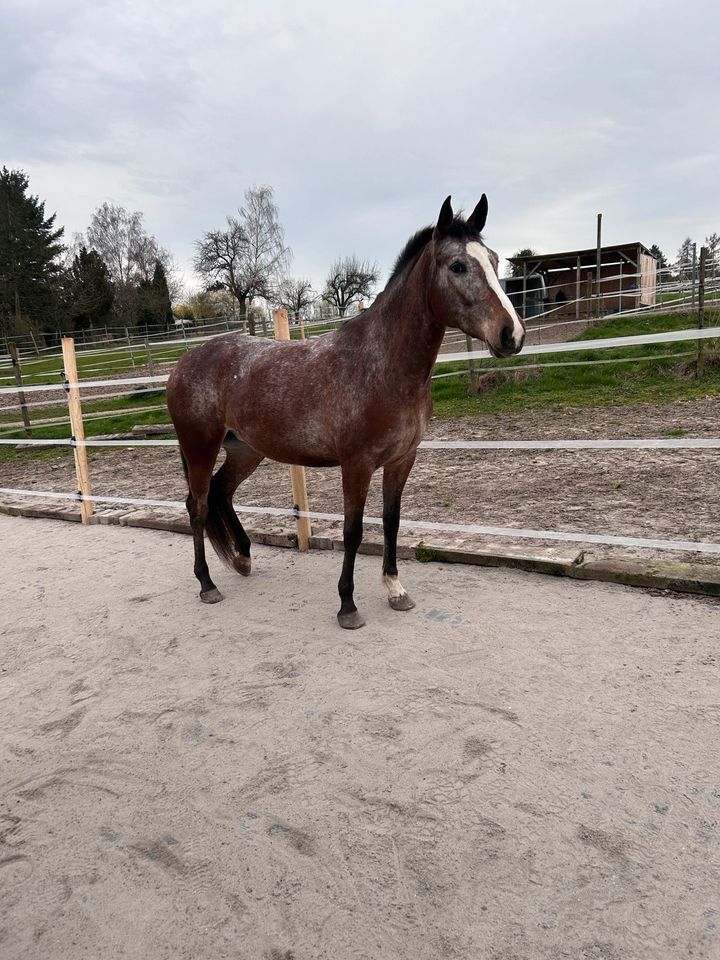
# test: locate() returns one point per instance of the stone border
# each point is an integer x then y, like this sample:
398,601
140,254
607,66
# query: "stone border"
694,578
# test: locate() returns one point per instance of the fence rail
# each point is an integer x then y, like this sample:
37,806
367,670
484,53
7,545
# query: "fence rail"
469,529
609,343
304,515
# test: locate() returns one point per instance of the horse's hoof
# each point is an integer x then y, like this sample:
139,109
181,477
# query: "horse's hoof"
403,602
350,621
211,596
243,565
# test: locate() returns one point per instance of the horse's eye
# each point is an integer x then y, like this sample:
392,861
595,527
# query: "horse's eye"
458,267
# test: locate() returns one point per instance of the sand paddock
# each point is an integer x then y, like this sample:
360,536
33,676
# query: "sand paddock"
521,767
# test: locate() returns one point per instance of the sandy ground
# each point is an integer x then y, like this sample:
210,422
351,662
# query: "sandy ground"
520,768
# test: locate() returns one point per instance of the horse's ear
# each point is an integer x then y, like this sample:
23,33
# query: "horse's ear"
477,218
445,218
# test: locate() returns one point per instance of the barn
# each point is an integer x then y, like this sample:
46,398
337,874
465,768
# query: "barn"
566,283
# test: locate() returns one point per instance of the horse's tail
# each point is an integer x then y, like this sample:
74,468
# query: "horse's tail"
220,518
221,524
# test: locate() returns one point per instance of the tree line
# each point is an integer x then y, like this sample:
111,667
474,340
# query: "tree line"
248,261
117,274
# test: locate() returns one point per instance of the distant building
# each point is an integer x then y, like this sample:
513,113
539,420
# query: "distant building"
567,282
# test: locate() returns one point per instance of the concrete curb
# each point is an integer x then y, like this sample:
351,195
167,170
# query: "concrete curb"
694,578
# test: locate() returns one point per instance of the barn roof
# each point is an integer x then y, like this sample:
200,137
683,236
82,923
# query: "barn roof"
618,253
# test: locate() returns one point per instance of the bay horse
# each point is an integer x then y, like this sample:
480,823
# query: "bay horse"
357,398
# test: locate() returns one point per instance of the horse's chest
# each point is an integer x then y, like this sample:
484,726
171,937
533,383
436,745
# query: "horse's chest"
391,433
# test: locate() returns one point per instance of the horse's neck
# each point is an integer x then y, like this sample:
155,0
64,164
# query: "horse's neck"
402,327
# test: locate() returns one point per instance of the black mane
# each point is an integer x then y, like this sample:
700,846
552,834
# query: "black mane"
459,229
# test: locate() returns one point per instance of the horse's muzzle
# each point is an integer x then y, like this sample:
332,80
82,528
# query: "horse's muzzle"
508,344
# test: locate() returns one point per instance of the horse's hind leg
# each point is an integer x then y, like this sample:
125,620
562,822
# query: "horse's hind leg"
231,541
199,468
394,477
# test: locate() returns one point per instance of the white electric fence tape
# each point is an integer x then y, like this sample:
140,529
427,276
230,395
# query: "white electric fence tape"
689,443
467,529
669,336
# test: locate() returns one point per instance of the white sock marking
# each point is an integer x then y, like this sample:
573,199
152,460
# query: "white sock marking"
394,587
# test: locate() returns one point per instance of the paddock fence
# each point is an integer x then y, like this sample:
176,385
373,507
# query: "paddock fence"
299,511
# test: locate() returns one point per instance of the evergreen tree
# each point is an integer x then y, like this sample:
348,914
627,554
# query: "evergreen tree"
659,255
29,250
685,259
153,301
89,292
663,273
514,269
162,295
713,244
130,255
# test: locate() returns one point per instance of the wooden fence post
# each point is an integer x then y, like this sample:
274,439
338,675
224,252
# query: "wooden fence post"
15,357
129,343
150,364
701,310
76,425
297,473
471,364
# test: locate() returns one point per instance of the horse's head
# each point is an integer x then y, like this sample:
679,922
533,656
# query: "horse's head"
465,291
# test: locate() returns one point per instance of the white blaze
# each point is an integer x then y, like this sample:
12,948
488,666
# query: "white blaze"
479,253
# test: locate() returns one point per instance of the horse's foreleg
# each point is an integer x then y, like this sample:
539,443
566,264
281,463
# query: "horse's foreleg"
355,480
394,478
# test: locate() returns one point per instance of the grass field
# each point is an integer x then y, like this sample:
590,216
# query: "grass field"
656,380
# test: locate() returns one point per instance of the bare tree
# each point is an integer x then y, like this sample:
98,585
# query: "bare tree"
250,255
349,281
130,254
117,235
296,295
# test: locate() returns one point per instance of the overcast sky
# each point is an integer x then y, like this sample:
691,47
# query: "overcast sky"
364,116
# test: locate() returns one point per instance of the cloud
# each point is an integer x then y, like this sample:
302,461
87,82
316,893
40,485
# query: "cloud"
364,118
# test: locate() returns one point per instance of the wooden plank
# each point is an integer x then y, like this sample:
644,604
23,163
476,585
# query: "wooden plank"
76,425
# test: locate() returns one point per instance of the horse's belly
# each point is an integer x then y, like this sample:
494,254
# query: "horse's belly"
288,443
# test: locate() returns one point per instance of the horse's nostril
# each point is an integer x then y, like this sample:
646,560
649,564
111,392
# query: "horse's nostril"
507,337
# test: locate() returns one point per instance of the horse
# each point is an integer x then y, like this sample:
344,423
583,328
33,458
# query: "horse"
357,398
